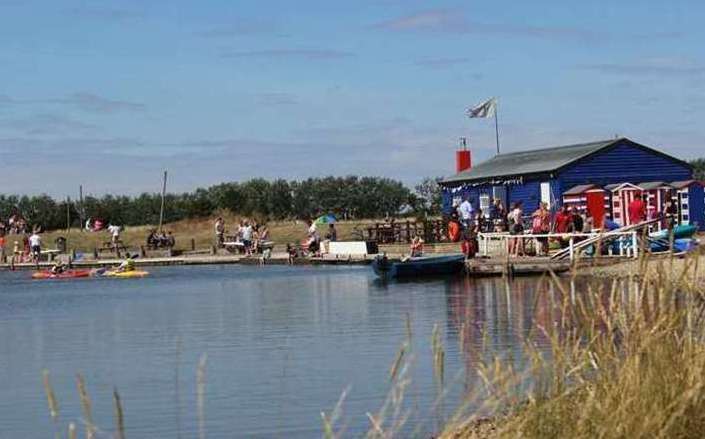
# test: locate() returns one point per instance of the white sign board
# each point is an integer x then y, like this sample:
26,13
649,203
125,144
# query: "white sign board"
347,248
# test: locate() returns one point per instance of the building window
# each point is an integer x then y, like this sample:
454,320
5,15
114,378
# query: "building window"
485,203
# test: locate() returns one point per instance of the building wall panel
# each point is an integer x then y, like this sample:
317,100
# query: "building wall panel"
623,163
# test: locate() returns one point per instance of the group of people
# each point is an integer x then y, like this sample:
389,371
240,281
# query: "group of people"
160,240
15,225
312,243
29,250
251,235
540,222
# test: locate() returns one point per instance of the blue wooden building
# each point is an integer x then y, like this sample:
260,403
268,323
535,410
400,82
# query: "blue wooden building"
545,174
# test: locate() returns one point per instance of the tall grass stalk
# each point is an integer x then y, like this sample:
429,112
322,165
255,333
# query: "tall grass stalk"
119,416
85,406
330,422
51,401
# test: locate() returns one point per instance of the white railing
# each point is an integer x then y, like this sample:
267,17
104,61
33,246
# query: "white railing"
627,242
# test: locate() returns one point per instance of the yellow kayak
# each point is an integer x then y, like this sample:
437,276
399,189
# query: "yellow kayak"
126,274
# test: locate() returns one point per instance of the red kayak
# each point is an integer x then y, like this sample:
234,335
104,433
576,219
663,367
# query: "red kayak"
68,274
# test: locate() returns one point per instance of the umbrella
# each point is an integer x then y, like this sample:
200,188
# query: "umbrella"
326,219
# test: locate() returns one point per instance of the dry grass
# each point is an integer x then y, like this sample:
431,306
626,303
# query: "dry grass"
622,365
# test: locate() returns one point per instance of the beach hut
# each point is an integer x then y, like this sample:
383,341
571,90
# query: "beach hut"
590,198
690,201
622,195
657,193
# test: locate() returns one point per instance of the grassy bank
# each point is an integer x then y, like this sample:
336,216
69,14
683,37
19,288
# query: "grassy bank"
200,230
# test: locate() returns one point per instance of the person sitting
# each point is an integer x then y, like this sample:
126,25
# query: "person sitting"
417,246
152,241
127,265
468,246
170,240
59,267
332,234
291,252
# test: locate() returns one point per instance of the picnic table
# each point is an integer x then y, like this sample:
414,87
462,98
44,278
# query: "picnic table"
232,243
110,246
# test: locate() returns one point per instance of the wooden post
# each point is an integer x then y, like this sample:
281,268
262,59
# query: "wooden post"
161,210
635,245
193,244
80,208
68,214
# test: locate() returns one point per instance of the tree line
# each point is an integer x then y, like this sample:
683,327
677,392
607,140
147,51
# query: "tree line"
346,197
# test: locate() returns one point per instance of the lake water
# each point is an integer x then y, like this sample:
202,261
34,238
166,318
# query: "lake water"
282,343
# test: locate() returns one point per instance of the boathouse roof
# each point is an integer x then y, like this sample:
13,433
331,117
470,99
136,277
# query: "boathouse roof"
579,189
540,161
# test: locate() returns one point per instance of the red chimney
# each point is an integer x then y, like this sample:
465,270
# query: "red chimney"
463,160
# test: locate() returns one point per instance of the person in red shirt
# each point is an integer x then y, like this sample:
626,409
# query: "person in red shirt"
637,210
562,223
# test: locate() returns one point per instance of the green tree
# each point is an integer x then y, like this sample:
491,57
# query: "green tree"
429,196
699,168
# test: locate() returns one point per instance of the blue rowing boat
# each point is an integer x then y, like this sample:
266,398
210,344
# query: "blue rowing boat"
419,266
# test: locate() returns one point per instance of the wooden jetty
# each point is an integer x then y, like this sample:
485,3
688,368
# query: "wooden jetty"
480,266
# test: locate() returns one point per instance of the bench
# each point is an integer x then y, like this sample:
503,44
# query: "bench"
109,246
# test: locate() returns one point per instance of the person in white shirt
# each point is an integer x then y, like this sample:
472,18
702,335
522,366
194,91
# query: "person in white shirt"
314,239
466,212
35,245
247,237
114,233
219,231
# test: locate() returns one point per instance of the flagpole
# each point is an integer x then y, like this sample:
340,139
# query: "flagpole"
496,127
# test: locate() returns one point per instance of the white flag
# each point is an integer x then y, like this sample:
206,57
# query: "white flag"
485,109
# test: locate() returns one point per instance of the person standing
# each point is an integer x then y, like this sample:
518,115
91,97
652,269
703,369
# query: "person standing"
35,245
637,209
563,224
247,233
516,227
670,213
114,234
466,213
500,216
2,246
541,225
578,224
313,241
219,231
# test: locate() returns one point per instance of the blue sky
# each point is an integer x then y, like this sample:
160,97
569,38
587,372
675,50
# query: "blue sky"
108,94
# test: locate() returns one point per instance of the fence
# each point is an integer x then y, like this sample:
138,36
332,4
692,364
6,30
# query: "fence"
394,232
623,244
